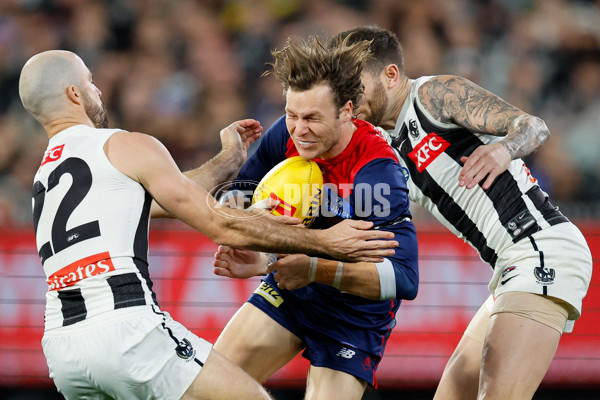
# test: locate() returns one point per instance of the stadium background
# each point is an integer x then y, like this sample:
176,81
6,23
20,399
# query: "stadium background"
181,70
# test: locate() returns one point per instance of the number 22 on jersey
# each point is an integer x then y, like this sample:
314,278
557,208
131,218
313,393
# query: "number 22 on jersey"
61,237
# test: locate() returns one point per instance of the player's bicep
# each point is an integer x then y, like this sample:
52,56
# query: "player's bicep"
453,99
146,160
380,192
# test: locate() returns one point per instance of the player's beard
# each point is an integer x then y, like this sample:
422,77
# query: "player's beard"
96,113
378,103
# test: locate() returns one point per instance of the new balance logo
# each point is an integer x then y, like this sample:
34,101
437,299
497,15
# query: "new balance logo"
346,353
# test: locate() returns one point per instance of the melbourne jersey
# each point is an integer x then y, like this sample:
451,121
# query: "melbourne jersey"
490,220
91,226
366,183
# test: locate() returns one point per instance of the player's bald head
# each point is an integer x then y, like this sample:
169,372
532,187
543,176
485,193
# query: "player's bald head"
44,80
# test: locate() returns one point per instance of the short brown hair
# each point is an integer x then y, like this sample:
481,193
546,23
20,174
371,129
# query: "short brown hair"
384,46
301,64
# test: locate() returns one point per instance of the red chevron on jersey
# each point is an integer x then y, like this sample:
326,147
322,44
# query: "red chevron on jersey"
428,150
365,146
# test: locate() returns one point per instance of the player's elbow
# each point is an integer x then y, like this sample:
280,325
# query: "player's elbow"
397,281
408,286
410,290
540,129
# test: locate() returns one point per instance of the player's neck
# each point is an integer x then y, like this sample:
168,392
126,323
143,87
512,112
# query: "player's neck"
60,124
398,99
345,138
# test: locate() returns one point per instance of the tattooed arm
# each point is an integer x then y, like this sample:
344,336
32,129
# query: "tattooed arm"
452,99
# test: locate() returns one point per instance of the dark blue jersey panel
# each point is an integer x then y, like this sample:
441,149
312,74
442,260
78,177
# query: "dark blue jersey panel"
390,212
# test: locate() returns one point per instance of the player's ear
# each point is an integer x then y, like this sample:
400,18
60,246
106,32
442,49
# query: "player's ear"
391,75
346,111
73,94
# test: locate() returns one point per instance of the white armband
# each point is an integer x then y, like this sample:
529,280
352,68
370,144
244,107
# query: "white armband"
387,280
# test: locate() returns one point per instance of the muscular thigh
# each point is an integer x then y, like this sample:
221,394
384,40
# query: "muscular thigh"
477,328
549,311
327,383
220,379
519,345
257,343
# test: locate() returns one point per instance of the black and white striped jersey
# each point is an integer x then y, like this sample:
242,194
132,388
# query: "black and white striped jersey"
490,220
91,227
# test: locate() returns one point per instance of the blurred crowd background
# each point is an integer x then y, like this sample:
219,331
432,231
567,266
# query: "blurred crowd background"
181,70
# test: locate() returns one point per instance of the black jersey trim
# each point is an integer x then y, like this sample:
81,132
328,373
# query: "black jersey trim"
451,211
140,244
542,265
127,290
144,271
72,306
542,203
185,343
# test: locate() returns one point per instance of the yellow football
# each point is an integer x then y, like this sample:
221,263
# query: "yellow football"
297,184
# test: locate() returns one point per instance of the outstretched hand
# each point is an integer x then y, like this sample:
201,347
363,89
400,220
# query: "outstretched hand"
486,161
352,240
240,135
237,263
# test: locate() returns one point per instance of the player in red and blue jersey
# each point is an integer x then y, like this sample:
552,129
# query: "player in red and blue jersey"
339,314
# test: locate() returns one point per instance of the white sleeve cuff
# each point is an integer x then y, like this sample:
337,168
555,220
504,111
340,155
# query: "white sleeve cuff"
387,280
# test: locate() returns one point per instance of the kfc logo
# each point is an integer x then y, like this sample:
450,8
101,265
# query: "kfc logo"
428,150
53,154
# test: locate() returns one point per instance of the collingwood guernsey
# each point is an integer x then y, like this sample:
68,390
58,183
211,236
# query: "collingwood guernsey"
513,208
93,235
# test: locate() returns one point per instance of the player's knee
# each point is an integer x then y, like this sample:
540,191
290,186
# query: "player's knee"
463,366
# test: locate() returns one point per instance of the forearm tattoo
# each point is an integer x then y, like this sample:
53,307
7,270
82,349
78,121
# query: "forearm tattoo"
452,99
525,135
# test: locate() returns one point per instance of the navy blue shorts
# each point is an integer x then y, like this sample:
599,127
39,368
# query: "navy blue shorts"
339,331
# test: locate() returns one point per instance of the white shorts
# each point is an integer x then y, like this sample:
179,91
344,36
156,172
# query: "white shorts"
552,262
129,353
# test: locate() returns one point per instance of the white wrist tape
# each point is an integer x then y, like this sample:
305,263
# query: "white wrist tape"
312,269
271,258
337,281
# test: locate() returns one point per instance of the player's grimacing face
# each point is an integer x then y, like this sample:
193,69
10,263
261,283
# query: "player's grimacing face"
313,123
374,102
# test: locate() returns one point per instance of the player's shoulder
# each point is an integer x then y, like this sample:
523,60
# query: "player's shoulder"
440,85
370,142
135,143
278,128
122,135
